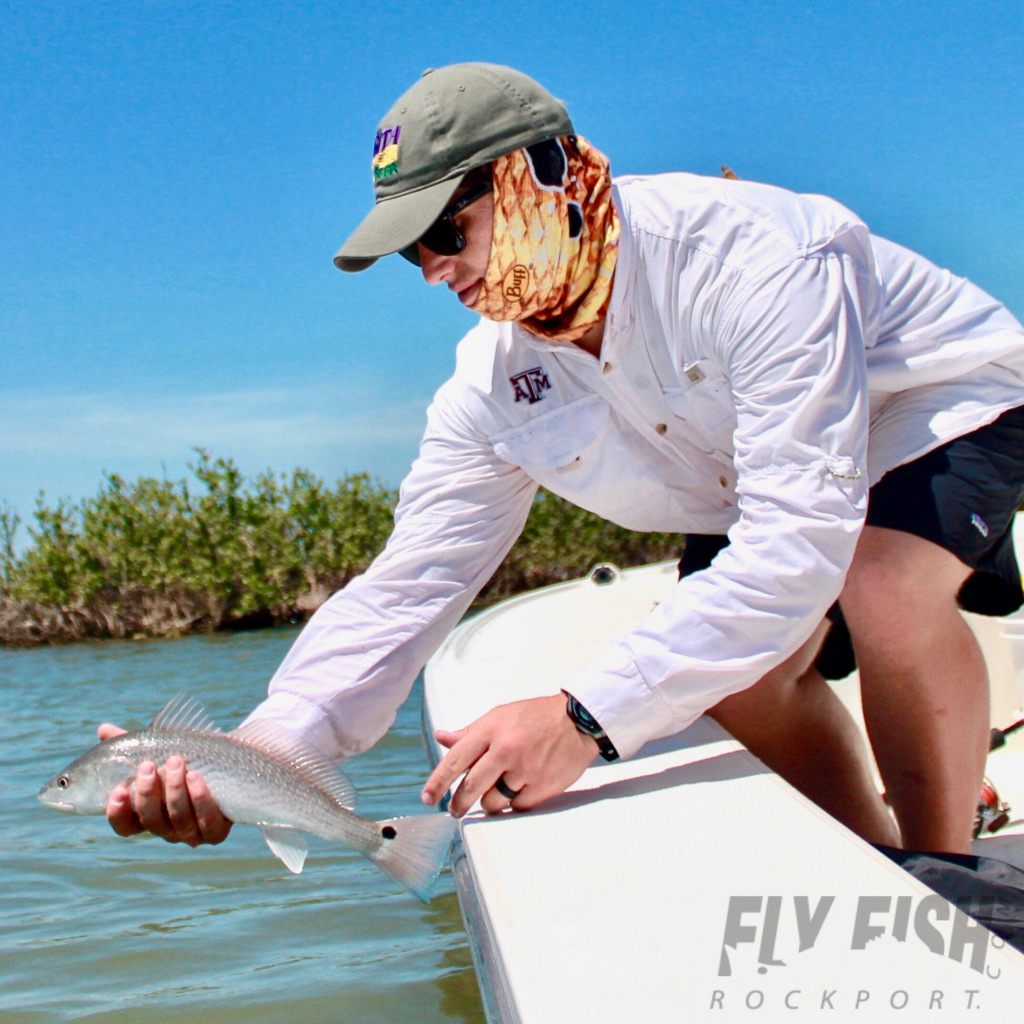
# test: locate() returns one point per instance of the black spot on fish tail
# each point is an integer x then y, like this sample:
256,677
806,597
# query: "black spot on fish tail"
389,832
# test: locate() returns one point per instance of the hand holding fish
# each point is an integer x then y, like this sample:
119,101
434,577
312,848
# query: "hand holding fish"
530,747
257,774
174,804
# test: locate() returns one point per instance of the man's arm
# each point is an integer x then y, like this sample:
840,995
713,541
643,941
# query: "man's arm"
354,663
792,349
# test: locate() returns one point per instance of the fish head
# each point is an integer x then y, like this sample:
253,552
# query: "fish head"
83,787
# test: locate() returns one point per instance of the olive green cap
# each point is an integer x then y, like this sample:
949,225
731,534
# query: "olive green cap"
452,120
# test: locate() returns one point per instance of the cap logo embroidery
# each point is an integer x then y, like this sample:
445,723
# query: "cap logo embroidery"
385,152
530,384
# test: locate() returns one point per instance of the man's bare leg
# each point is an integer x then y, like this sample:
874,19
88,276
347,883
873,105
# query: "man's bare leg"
924,684
793,721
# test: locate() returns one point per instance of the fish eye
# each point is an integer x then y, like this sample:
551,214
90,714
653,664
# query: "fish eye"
63,782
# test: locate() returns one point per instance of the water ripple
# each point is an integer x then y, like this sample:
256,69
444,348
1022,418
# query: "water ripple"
100,929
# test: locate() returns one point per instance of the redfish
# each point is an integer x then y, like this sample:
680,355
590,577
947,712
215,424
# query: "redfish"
262,776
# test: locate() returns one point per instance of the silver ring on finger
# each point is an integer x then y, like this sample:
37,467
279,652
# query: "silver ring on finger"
503,788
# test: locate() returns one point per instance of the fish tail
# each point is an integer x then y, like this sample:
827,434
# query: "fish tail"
414,849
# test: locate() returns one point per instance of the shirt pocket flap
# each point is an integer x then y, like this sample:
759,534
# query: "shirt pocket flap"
555,439
703,396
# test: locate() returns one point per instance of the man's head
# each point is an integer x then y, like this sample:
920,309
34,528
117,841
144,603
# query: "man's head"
453,120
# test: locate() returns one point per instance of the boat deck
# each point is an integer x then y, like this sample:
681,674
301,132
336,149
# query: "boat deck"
691,883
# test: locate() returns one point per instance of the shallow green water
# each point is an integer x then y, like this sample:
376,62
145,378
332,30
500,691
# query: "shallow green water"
97,928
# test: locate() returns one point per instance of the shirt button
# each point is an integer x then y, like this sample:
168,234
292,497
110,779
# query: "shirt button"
607,368
662,428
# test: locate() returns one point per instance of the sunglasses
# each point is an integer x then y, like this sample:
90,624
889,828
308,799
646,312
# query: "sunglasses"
444,236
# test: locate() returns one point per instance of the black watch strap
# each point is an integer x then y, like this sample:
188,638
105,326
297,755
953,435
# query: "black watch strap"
587,724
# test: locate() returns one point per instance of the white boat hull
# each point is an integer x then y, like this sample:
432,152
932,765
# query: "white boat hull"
691,883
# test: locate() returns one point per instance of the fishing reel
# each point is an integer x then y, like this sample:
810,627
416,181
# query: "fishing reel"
993,813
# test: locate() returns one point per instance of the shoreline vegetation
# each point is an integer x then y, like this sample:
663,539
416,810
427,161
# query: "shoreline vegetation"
157,558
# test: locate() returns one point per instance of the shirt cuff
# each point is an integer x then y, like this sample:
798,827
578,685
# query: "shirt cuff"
300,716
612,689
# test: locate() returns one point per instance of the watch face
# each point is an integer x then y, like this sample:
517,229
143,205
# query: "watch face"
583,718
586,723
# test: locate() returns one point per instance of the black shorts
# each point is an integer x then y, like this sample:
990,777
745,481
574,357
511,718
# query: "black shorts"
961,496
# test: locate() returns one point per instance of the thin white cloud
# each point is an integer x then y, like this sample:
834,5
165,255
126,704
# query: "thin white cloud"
64,443
148,425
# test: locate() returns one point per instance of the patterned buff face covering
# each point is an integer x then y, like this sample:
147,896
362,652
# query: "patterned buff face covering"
556,237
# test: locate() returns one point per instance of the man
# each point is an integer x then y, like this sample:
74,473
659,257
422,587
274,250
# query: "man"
716,357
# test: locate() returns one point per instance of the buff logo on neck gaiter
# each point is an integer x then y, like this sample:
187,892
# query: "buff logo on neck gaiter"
555,240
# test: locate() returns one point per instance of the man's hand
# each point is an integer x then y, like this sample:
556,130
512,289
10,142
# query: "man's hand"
174,804
532,745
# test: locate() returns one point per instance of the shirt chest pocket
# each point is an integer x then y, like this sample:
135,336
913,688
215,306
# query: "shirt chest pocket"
583,453
704,400
558,440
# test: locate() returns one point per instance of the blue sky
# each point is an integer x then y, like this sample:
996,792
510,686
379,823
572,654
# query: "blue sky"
175,178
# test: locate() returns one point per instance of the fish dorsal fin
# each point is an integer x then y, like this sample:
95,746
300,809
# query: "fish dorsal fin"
312,763
287,845
183,712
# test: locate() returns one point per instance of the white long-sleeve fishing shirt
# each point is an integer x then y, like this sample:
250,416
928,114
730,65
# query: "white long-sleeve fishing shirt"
764,360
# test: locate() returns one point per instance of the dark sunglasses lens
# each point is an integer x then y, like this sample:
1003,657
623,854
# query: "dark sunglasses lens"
443,237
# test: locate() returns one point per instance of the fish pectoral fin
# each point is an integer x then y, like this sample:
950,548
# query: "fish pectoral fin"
287,845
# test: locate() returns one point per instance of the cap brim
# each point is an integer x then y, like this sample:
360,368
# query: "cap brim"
394,223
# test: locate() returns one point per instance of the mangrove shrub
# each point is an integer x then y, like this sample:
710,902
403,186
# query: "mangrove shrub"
158,557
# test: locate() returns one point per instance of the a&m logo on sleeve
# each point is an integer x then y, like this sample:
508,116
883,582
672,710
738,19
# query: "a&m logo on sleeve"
385,152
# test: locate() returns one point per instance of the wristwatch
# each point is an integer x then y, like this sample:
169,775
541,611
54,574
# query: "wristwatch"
587,724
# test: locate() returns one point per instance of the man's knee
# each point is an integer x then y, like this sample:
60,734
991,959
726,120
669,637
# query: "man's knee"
894,572
899,588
